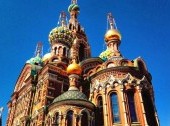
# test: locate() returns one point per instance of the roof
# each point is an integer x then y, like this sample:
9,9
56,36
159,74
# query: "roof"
71,95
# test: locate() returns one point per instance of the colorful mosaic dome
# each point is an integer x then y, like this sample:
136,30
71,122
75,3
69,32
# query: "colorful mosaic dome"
35,61
71,95
105,55
61,34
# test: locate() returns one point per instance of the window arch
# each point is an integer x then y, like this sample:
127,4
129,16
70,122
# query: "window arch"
69,118
115,108
100,111
131,104
84,119
56,119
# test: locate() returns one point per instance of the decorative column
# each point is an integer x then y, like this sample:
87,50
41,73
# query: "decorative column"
124,104
142,106
80,116
60,120
105,107
64,120
75,119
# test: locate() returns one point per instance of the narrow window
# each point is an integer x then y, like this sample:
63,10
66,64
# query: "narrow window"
69,118
84,119
64,51
131,104
100,109
55,50
81,52
57,119
115,108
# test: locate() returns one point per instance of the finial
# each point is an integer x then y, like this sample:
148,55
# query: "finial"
74,2
111,21
1,110
39,49
62,19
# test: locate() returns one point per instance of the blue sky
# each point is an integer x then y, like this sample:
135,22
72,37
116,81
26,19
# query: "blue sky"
144,25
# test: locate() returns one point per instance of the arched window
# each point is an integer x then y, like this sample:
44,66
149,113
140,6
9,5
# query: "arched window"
149,109
56,119
100,109
55,50
131,103
81,52
64,51
69,118
115,108
84,119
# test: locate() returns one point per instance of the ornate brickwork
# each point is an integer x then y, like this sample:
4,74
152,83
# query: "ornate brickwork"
68,87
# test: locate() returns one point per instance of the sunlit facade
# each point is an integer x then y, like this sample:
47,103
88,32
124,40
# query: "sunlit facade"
69,87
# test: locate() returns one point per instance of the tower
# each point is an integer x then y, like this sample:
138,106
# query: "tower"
121,88
68,87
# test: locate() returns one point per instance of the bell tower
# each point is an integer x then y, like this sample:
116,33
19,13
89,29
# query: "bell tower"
80,47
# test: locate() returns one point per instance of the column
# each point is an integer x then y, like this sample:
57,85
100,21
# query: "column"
124,105
142,106
105,108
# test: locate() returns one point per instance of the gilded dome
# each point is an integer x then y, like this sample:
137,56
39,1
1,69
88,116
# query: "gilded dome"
60,34
46,57
74,68
112,34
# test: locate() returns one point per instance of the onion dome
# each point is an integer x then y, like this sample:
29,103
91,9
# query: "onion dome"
73,7
46,57
35,61
74,68
71,95
112,34
60,34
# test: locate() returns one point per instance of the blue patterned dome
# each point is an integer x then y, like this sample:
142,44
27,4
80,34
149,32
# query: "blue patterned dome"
35,61
71,95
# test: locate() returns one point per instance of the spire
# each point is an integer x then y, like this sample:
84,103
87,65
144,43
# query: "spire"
62,19
39,49
111,21
74,2
1,110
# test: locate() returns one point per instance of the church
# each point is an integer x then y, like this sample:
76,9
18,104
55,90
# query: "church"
69,87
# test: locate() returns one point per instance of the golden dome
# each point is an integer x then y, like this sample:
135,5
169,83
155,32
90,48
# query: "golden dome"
112,34
74,68
46,57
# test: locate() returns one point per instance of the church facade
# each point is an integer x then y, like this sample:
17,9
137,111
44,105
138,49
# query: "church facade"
68,87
